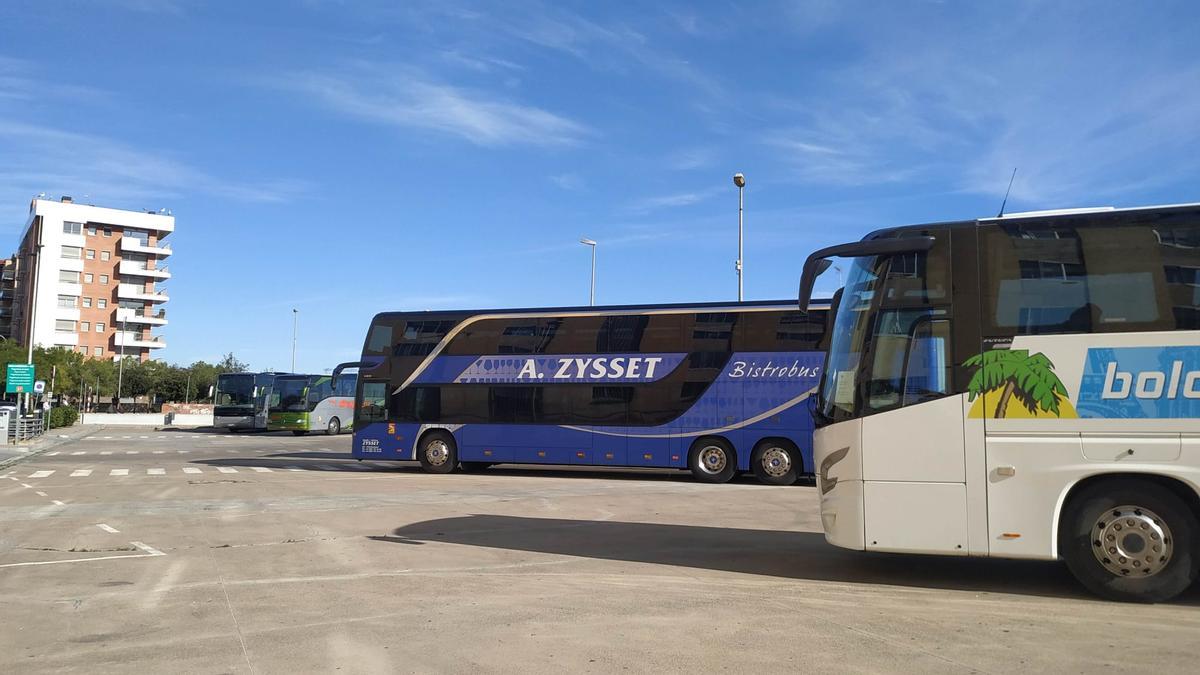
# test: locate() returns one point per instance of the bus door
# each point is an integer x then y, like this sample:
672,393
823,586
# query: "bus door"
912,437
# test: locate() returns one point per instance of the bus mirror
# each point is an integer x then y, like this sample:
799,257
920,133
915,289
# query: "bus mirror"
255,394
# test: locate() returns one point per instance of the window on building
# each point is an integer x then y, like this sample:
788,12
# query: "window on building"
97,351
99,327
104,278
87,278
67,301
87,302
108,231
91,230
85,326
105,255
101,303
72,252
91,254
72,228
64,326
67,276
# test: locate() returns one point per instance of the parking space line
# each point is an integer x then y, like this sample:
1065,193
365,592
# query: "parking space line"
41,474
156,472
159,452
79,452
42,494
119,472
81,473
227,469
57,503
261,469
150,552
191,469
106,452
27,485
131,452
108,528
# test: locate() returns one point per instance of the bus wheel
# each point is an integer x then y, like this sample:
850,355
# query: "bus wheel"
1131,540
298,432
775,462
438,453
335,427
712,460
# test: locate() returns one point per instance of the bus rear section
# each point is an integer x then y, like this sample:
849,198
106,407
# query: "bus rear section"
240,401
718,389
1020,387
304,403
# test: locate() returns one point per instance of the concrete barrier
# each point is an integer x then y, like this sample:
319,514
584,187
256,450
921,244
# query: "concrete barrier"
147,419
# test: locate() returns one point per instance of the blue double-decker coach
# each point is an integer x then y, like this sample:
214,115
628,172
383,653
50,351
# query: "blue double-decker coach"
715,388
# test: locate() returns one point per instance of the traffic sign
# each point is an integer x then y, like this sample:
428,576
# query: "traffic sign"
20,378
39,387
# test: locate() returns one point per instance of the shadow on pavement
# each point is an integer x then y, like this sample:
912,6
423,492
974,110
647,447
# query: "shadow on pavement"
788,555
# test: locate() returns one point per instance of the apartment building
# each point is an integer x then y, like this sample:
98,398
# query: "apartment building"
88,278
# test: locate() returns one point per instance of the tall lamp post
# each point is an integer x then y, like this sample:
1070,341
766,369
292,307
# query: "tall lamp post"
295,325
740,181
589,242
121,361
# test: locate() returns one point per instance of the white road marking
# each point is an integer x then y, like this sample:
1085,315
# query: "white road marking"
108,528
159,452
79,452
156,472
106,452
131,452
81,473
293,467
183,452
126,437
143,437
191,469
57,503
51,454
42,494
261,469
41,474
119,472
26,485
227,469
149,553
107,438
148,549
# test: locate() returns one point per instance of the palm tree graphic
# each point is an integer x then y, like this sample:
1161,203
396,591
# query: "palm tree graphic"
1029,379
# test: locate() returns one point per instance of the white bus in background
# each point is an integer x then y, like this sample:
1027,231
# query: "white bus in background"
1020,387
240,400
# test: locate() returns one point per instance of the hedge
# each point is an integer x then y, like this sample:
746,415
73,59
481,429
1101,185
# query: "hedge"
62,416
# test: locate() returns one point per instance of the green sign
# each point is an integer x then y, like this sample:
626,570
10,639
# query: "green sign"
20,378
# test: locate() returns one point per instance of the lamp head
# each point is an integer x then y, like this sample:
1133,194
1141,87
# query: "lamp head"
739,180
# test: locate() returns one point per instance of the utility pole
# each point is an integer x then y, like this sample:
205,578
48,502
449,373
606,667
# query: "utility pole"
740,181
295,326
121,362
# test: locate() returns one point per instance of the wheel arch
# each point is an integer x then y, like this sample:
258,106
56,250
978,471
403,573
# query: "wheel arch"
1189,493
426,429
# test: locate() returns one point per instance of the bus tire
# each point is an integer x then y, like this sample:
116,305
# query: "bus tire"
1130,540
298,432
334,427
712,460
438,452
775,461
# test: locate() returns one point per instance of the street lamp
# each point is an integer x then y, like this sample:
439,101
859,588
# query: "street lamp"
740,181
295,324
121,360
589,242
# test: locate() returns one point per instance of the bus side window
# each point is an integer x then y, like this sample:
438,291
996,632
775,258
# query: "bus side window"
926,366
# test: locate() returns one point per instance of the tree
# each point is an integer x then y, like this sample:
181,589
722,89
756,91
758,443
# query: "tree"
1028,379
230,364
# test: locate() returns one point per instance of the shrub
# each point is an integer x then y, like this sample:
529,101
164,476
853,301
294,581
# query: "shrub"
62,416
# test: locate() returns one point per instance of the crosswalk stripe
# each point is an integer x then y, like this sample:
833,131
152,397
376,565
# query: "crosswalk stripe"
106,452
159,452
81,473
261,469
227,469
191,469
184,452
41,474
119,472
131,452
79,452
156,472
51,454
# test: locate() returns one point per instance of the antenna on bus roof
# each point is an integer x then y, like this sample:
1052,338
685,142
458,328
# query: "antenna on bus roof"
1003,203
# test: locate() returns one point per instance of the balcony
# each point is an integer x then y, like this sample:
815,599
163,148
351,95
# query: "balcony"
135,292
136,341
134,245
135,268
148,318
65,339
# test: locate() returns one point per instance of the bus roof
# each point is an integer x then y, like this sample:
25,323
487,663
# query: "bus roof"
819,303
1030,215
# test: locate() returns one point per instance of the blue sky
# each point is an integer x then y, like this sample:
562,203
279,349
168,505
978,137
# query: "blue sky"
346,158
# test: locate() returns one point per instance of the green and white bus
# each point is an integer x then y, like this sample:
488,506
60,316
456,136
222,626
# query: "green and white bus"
1026,386
304,403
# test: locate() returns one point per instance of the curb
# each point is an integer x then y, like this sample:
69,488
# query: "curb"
46,445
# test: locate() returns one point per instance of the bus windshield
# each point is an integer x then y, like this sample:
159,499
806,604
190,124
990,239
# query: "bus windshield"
235,389
836,399
291,394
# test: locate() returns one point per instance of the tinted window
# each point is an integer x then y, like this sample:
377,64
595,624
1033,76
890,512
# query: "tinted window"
1083,275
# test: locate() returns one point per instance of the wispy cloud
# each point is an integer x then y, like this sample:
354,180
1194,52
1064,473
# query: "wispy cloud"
20,81
568,181
674,200
691,158
44,159
406,98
